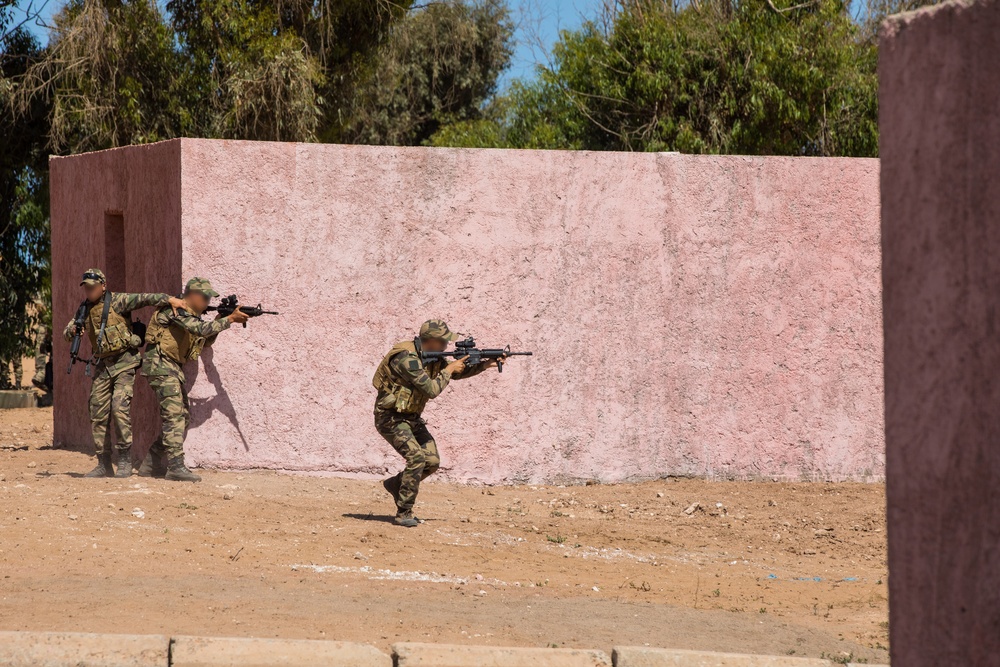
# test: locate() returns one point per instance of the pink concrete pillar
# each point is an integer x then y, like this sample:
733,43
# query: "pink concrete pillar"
117,210
940,131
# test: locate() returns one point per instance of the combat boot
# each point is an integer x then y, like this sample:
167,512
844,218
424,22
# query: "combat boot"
103,468
152,466
124,463
391,485
406,519
178,472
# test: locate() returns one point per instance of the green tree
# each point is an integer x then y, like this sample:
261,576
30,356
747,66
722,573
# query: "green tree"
744,77
438,67
108,73
24,229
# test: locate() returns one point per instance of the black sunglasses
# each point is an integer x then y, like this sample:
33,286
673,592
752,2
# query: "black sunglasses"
93,276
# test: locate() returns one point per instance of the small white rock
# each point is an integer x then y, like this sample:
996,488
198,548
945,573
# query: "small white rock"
227,496
138,513
72,517
596,589
32,464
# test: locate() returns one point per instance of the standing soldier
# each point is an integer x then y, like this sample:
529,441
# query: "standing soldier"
116,354
405,383
173,339
43,347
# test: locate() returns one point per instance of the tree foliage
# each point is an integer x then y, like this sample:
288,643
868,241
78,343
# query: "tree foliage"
119,72
24,237
740,76
438,67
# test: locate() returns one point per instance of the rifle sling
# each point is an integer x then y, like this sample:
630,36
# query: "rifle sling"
104,321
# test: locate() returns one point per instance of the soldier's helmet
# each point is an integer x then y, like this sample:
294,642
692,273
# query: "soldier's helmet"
93,277
436,329
200,285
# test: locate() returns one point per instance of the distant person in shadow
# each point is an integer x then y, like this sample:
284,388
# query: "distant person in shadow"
202,408
172,340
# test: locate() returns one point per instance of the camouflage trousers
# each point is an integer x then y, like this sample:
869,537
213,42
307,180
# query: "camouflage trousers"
42,347
409,436
174,415
111,400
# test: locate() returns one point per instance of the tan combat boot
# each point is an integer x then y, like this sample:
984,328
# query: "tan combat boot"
124,463
103,468
406,519
178,472
152,466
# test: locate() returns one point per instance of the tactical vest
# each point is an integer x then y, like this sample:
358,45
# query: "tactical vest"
175,342
118,335
398,394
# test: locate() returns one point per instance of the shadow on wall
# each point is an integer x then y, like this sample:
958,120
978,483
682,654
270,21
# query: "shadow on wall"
202,408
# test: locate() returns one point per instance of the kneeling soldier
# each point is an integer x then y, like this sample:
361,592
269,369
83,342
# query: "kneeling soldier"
116,353
172,341
405,383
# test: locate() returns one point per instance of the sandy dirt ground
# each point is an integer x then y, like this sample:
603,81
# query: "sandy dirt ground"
788,569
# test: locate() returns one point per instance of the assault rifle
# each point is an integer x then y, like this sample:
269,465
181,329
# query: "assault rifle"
231,303
74,347
476,356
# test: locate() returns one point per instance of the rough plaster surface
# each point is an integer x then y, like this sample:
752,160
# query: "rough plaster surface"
712,316
939,94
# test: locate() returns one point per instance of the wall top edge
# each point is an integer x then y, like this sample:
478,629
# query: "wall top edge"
894,24
190,142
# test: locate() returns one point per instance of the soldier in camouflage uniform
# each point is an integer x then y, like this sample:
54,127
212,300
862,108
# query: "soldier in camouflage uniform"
116,358
43,347
172,341
405,383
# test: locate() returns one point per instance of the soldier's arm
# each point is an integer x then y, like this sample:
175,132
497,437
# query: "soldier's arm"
69,331
470,371
198,326
125,302
408,365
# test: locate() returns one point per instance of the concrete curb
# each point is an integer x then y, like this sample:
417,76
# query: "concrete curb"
638,656
14,399
445,655
240,652
79,649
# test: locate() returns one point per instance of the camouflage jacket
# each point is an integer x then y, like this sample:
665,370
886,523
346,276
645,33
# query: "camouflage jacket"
155,364
122,303
426,381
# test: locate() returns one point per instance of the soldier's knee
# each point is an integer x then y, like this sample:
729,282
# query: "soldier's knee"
432,463
415,460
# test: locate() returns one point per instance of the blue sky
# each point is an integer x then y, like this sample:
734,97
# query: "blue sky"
538,25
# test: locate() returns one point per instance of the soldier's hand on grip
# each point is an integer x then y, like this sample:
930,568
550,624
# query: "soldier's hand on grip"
238,317
456,366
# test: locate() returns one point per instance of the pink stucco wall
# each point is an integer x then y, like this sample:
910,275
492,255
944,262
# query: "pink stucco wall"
714,316
938,96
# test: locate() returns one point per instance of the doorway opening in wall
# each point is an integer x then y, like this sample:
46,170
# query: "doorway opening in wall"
114,251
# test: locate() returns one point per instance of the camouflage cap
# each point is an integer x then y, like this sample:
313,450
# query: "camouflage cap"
93,277
200,285
436,329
